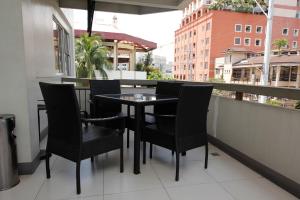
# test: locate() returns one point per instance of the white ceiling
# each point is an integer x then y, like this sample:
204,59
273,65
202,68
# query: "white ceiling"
128,6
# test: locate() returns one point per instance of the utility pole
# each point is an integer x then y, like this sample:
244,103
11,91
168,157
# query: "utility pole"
268,42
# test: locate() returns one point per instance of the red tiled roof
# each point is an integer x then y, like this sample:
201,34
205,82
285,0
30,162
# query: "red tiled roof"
283,59
140,43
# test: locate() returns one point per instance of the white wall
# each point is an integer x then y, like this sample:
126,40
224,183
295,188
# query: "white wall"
124,74
267,134
26,57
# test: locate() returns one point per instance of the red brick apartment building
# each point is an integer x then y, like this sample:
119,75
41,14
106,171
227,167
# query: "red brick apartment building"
205,34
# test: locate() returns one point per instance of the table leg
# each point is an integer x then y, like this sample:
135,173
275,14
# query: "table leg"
139,112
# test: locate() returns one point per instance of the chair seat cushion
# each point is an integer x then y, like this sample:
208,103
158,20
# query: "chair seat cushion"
100,139
160,135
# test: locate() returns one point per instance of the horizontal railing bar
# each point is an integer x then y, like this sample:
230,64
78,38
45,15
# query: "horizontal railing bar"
280,92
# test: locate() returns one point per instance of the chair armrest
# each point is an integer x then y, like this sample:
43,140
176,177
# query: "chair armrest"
165,116
85,114
91,101
117,117
161,115
120,125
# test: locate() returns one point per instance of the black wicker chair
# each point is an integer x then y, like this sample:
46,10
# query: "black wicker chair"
163,88
188,130
68,138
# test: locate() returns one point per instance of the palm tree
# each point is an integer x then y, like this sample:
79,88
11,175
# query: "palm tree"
280,43
91,55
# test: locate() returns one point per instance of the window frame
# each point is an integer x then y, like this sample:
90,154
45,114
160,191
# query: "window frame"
249,41
235,41
258,39
236,29
261,29
294,31
286,33
295,42
248,25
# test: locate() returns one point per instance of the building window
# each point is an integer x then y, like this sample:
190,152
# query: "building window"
61,49
294,71
206,52
195,32
208,26
284,74
295,45
296,32
205,77
207,41
247,41
194,45
238,28
285,31
258,42
236,74
248,28
190,33
205,65
259,29
237,41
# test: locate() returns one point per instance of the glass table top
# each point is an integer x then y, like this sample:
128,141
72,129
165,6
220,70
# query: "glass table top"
142,97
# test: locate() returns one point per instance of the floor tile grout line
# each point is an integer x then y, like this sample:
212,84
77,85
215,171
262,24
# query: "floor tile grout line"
40,188
156,173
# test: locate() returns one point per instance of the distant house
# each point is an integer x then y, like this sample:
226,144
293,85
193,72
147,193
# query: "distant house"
245,67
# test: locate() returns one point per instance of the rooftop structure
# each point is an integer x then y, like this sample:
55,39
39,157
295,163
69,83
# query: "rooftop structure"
123,47
204,34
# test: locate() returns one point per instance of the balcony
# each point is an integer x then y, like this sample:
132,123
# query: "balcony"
253,152
252,155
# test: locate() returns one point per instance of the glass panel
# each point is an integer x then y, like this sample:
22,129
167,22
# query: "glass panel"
61,49
294,72
284,73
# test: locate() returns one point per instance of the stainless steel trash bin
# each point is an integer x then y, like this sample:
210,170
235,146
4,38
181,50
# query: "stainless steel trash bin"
8,153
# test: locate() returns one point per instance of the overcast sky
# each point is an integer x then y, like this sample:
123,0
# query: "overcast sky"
159,28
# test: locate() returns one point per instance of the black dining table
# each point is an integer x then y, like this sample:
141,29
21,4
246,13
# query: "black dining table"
138,101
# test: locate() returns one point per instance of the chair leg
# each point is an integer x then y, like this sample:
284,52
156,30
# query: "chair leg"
144,152
92,159
48,165
206,156
183,153
128,138
173,152
78,187
121,160
151,149
177,167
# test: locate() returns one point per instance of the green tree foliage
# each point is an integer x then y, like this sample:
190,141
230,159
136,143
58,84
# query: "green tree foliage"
91,55
297,106
148,59
139,66
280,43
237,5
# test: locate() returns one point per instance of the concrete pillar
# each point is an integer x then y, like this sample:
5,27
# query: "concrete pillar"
115,62
298,78
132,58
271,74
277,76
242,74
252,76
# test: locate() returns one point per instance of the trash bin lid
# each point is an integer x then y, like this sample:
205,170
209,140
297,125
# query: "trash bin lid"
6,116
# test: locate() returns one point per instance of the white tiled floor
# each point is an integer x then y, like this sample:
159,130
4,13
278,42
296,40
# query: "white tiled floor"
225,179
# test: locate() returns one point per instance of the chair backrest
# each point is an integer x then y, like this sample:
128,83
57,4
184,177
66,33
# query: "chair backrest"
63,113
104,108
192,110
170,89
